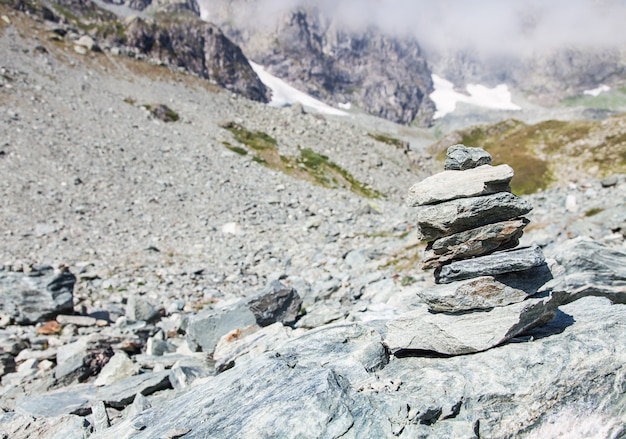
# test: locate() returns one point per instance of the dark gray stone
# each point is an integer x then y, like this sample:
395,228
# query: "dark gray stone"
461,157
485,292
37,296
497,263
474,242
589,268
275,303
439,220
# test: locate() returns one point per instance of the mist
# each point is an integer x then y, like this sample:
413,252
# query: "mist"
489,27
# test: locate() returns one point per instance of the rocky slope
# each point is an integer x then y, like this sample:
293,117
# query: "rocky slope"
140,258
383,75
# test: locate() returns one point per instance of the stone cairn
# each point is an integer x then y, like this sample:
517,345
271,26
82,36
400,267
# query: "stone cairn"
487,289
468,212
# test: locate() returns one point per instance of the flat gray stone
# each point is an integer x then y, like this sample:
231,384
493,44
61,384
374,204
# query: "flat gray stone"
490,265
474,242
37,296
100,417
458,334
450,185
589,268
485,292
77,399
461,157
439,220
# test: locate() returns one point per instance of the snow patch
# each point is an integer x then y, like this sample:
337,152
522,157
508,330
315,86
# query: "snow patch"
446,98
597,91
283,94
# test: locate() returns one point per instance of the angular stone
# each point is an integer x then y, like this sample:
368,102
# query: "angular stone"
461,157
120,366
205,328
181,377
485,292
474,242
450,185
139,308
589,268
100,417
140,403
275,303
490,265
458,334
37,296
449,217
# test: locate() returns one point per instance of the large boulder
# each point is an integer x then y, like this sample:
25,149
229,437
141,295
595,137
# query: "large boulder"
37,296
588,268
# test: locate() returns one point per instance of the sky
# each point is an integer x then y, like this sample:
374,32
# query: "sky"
487,26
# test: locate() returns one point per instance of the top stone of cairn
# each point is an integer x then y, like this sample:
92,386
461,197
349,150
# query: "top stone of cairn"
461,157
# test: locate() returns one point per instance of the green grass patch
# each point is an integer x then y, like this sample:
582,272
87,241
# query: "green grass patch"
613,100
310,165
407,280
542,152
162,112
387,139
256,140
236,149
593,211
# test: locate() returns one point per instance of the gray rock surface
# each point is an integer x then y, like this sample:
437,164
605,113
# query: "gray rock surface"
487,394
450,185
422,331
485,292
474,242
518,259
588,268
36,296
205,328
461,157
439,220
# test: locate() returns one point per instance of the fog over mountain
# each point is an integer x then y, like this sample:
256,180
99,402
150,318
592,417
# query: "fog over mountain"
490,27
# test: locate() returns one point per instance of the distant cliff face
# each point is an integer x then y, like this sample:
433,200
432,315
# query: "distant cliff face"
383,75
543,77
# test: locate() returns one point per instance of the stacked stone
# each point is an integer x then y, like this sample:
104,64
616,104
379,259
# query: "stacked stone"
487,288
468,212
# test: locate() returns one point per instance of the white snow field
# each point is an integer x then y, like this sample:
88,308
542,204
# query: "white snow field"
284,94
446,98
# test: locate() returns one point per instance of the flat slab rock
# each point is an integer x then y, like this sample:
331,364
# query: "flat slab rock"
420,330
490,265
444,219
78,399
475,242
485,292
450,185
